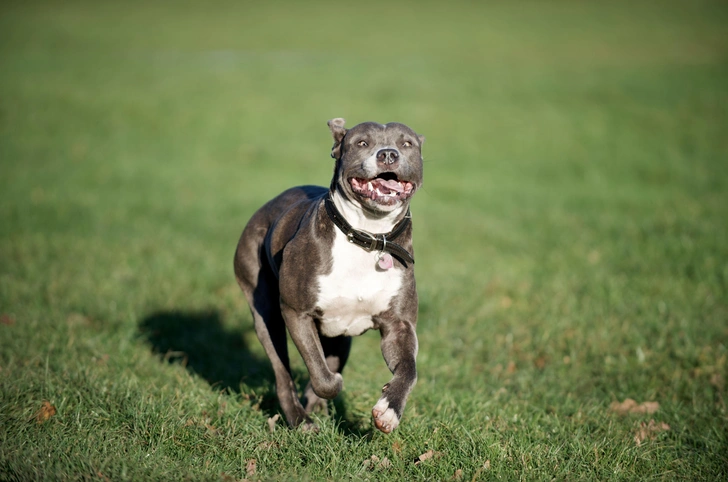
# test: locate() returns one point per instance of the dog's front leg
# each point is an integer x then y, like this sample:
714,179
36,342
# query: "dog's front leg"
399,347
301,326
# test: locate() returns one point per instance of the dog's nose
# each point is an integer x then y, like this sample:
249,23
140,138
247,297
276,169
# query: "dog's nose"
387,156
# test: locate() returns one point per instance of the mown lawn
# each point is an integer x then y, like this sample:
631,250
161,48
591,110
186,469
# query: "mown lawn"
571,238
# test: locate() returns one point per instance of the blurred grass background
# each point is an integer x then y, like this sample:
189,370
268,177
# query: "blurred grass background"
571,237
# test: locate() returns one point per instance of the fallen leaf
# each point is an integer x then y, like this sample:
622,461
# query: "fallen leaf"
649,431
46,411
396,447
717,381
427,455
374,463
486,465
6,319
458,474
102,359
267,445
78,319
511,368
630,406
272,422
250,467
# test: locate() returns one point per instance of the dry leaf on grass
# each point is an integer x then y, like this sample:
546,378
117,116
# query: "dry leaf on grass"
267,445
227,478
630,406
396,447
102,359
649,431
250,467
272,422
486,466
458,475
78,319
427,455
717,381
46,411
374,463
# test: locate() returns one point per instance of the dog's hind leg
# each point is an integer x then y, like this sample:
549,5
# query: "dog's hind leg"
336,351
271,332
260,286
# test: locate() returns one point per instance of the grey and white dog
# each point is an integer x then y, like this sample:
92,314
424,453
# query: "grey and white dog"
329,264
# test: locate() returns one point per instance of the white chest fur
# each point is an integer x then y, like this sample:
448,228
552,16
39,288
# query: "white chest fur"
355,290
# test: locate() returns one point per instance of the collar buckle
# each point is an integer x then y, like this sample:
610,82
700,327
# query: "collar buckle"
372,239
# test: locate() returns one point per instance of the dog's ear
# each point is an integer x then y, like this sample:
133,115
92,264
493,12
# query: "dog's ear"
421,139
338,132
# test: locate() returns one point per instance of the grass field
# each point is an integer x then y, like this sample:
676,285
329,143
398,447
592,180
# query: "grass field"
571,237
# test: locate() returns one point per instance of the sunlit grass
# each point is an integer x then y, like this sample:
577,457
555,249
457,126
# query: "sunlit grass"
571,241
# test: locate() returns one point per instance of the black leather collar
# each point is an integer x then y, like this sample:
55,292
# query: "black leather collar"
371,241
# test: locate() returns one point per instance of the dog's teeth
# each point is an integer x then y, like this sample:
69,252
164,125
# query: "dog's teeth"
369,186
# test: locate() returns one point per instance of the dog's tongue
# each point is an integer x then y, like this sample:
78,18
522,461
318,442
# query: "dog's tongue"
391,184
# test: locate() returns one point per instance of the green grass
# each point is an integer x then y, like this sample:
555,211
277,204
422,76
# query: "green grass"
571,238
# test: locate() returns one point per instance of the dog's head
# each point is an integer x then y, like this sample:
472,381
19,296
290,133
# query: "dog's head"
378,166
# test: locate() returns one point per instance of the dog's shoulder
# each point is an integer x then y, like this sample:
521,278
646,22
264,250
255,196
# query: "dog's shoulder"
294,200
299,242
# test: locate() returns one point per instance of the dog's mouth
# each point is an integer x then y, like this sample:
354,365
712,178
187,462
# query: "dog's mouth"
386,188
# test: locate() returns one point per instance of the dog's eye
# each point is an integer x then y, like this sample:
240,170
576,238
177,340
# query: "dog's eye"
406,144
362,144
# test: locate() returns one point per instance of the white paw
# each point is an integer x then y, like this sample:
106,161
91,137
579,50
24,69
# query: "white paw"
384,417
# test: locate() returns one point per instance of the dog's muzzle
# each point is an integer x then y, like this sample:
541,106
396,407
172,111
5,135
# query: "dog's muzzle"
387,157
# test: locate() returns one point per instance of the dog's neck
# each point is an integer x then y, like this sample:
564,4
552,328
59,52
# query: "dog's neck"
361,219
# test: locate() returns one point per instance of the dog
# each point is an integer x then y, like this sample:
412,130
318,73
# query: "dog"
330,264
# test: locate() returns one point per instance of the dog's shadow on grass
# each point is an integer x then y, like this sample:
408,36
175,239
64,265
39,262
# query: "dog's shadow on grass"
205,347
201,343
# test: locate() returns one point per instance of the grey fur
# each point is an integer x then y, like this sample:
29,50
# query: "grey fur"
287,245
